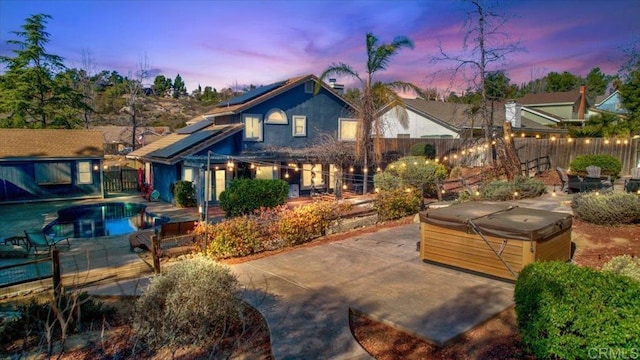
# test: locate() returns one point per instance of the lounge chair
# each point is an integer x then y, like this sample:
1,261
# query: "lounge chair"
37,239
633,184
571,183
595,180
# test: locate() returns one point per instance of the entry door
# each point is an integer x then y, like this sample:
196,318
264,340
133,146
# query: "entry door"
221,180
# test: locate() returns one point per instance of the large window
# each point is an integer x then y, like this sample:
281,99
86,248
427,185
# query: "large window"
252,127
299,127
265,172
84,172
348,129
53,173
312,175
276,116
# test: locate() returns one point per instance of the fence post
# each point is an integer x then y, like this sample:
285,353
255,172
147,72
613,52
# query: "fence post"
155,251
57,279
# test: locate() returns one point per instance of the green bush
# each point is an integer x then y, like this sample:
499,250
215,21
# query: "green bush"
397,204
246,195
423,149
189,304
504,190
184,193
609,165
570,312
624,265
410,172
607,208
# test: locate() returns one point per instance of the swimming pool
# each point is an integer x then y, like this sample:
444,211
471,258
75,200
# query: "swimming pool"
104,219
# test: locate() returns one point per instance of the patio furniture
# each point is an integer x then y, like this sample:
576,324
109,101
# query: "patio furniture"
36,239
633,184
571,183
595,180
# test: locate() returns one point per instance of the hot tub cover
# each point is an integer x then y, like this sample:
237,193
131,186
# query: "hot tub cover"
499,220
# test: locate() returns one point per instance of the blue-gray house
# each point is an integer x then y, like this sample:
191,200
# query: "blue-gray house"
249,136
50,164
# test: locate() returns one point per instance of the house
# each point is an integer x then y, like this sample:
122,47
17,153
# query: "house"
611,104
558,108
50,164
439,119
253,135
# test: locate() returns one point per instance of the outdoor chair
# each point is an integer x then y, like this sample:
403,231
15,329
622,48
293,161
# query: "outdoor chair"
571,183
38,239
633,184
594,179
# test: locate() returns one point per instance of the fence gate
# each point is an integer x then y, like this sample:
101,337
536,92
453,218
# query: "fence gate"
121,180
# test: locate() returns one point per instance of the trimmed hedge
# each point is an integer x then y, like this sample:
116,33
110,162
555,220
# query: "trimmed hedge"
607,208
609,165
396,204
246,195
570,312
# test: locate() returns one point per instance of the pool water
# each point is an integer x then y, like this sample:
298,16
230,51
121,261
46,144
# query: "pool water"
105,219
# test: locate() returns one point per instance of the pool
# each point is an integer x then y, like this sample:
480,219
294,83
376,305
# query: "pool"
104,219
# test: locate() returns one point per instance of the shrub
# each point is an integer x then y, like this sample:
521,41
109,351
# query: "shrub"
245,195
410,172
423,149
239,236
304,223
609,165
396,204
191,303
504,190
607,208
184,193
569,312
624,265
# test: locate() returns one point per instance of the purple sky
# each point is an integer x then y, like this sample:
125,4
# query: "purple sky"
221,43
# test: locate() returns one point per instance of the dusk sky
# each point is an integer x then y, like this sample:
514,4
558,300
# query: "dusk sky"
222,43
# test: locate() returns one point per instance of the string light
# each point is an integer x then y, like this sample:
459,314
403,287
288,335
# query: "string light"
618,141
553,138
365,170
587,141
606,141
351,169
537,136
569,139
626,141
286,175
521,134
378,169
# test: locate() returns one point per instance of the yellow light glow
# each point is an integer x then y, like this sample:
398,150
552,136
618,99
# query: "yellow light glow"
553,138
286,175
618,141
477,193
587,141
493,142
606,141
378,169
392,166
408,190
377,190
437,159
521,134
444,158
365,170
515,193
344,187
626,141
275,167
442,191
569,139
351,169
537,136
455,156
259,171
415,163
553,193
463,152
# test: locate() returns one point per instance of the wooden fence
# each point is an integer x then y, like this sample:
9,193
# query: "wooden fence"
560,152
121,180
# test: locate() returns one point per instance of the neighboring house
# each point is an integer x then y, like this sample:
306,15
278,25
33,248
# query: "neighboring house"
252,135
50,164
117,139
439,119
559,108
611,104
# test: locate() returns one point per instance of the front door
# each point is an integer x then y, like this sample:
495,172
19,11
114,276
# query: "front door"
220,178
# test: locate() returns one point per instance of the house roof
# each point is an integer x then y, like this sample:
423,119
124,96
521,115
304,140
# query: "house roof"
453,115
563,97
50,143
170,149
122,134
263,93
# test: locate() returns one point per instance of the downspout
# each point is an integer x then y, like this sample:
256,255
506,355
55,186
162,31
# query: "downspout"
583,102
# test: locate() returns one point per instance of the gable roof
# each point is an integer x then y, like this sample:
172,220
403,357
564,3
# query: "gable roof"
256,96
452,115
563,97
50,143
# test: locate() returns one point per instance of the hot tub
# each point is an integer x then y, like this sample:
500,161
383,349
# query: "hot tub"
518,236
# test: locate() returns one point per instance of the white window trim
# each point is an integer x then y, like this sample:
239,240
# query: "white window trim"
84,168
277,122
340,120
294,125
260,125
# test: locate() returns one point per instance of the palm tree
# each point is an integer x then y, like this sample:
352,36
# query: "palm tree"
374,95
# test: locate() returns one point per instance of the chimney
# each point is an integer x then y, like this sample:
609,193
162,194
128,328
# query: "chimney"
513,114
583,102
332,82
339,88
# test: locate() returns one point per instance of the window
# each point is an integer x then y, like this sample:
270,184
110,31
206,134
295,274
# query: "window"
299,125
187,174
404,136
276,116
309,86
264,172
84,172
333,171
53,173
348,129
252,127
312,175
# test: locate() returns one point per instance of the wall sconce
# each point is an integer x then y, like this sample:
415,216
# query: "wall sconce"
96,167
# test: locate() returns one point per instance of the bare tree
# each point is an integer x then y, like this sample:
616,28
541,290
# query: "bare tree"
134,95
87,85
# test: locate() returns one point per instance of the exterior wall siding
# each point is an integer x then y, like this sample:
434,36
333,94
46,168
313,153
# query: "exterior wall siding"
164,176
418,126
18,182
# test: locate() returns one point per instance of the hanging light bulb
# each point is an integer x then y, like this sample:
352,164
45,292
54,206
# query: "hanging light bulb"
521,134
587,141
286,175
618,141
378,169
351,169
252,166
553,138
606,141
344,187
365,170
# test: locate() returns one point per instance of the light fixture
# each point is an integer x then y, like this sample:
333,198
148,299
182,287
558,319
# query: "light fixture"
606,141
587,141
252,166
344,187
378,169
286,175
553,138
515,194
477,193
351,169
365,170
618,141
